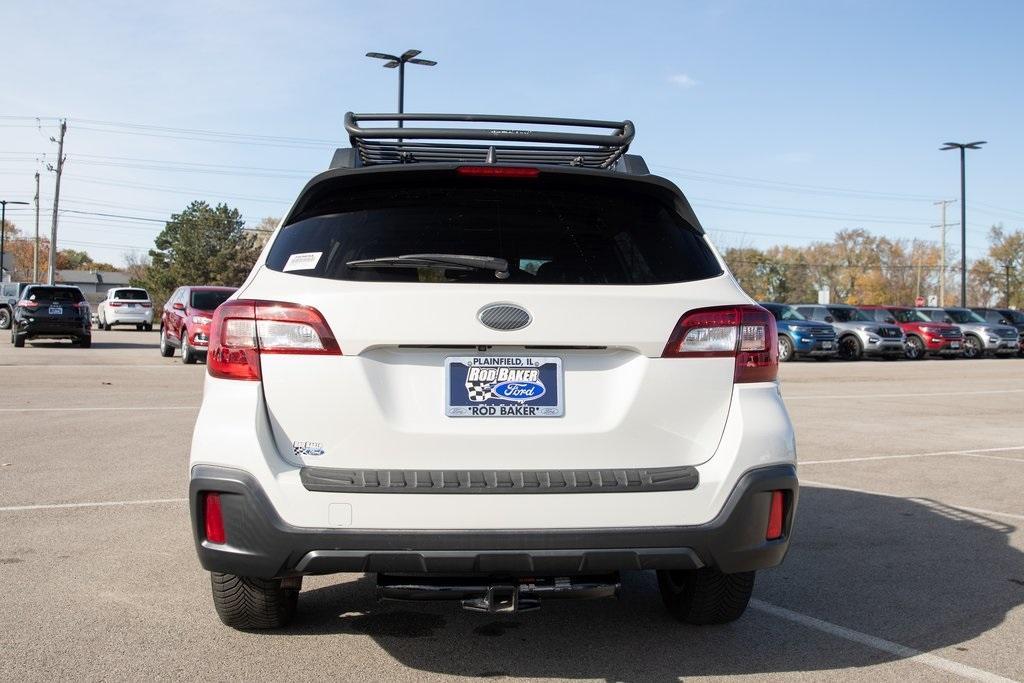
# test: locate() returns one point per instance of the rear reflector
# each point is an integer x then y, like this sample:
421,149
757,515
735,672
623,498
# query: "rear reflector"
242,330
499,171
776,514
213,519
747,333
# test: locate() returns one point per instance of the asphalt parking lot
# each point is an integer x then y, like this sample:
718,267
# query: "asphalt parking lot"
907,560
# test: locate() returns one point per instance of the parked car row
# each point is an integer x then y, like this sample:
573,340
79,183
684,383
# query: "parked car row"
37,311
823,331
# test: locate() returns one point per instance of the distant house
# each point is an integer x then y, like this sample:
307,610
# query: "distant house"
94,283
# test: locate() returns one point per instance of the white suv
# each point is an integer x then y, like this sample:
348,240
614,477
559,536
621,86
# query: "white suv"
491,373
126,306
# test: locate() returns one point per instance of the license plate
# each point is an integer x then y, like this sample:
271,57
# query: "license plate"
55,310
503,386
826,345
954,345
131,305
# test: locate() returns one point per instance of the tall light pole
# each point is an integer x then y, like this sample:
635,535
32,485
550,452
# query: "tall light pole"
400,61
963,146
3,223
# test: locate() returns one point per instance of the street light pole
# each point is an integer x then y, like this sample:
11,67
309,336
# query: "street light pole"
393,61
963,147
3,231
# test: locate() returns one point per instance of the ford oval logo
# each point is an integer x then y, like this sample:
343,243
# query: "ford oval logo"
504,316
518,391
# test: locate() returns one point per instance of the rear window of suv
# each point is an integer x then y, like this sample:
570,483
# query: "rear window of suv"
55,294
546,235
131,295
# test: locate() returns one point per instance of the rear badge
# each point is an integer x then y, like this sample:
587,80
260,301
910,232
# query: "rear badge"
308,448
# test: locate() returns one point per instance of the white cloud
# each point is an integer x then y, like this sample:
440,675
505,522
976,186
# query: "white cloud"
683,80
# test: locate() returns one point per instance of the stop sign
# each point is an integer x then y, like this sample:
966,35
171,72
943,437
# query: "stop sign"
919,301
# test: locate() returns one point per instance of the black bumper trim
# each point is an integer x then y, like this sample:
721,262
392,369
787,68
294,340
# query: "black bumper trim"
499,481
261,544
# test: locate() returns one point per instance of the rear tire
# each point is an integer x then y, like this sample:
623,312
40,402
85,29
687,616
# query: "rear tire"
250,603
5,318
138,328
166,350
785,349
188,356
705,596
19,340
148,327
85,342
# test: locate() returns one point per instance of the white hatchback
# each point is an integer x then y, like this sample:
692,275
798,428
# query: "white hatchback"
491,381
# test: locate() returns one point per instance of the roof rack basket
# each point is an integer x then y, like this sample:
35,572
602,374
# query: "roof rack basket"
377,146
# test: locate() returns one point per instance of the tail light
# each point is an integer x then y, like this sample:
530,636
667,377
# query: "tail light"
242,330
747,333
147,304
115,304
28,303
499,171
776,516
213,518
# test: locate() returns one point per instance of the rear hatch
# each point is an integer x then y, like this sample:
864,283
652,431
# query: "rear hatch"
56,307
603,271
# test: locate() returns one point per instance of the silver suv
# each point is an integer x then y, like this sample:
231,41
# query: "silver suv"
981,337
858,334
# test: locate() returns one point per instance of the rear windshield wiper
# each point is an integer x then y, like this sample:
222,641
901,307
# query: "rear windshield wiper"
456,261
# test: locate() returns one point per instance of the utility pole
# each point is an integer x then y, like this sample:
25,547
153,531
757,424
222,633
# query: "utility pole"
942,271
56,202
35,247
1007,267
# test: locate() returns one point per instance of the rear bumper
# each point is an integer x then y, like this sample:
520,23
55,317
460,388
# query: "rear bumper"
261,544
52,329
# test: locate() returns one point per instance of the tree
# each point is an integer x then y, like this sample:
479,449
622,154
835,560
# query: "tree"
19,247
136,265
261,233
202,245
1006,251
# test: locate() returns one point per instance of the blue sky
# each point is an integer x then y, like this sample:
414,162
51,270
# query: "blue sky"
782,122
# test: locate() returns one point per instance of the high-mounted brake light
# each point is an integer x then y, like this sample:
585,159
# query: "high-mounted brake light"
499,171
242,330
747,333
213,518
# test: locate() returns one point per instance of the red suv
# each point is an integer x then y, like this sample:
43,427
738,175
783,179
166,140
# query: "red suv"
185,321
924,336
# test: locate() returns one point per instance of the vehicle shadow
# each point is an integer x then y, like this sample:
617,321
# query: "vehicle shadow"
912,571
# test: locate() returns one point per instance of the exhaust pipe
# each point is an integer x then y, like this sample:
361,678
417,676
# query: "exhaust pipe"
496,595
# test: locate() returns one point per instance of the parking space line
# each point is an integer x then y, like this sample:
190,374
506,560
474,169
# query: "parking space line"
975,452
818,397
93,409
101,504
880,644
964,508
88,366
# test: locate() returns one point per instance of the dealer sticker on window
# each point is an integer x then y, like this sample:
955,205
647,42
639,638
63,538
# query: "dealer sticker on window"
503,386
304,261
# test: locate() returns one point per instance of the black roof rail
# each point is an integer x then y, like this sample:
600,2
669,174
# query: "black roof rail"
377,146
